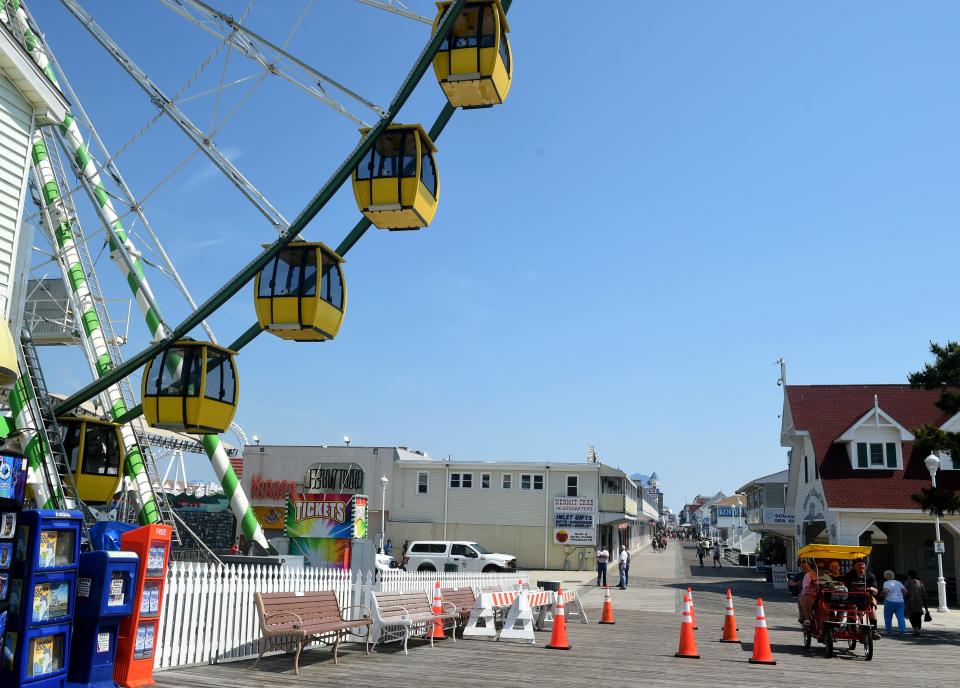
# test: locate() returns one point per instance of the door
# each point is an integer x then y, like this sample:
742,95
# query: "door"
464,557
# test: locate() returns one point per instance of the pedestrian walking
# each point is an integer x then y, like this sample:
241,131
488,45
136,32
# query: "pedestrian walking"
716,555
603,556
916,603
624,566
894,594
701,552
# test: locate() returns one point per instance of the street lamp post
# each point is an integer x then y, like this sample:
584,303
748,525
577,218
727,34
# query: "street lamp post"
383,508
932,463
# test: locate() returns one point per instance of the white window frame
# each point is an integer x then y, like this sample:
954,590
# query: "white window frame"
529,477
855,455
426,483
461,478
489,477
508,477
543,482
576,487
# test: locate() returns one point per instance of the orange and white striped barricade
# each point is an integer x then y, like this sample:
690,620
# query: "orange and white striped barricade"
519,622
572,607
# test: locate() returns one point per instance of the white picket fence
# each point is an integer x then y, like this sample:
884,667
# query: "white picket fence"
209,616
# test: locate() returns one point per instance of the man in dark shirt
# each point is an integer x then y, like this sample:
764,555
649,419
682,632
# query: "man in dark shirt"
862,579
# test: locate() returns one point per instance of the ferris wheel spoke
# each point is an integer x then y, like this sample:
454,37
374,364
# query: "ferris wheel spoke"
169,107
268,54
397,8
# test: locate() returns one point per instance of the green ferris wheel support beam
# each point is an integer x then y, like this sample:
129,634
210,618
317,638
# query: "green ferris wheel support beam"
249,271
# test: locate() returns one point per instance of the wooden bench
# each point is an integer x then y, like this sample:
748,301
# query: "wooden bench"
463,600
398,615
299,618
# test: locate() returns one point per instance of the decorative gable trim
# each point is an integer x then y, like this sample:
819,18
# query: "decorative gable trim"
876,415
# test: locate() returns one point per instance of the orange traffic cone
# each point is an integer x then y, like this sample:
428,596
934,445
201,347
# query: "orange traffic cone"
761,641
693,611
558,639
436,632
607,616
729,622
688,641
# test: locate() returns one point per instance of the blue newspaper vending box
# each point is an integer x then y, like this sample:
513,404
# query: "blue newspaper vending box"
36,643
106,584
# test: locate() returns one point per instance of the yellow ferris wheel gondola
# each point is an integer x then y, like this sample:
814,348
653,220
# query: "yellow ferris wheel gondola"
191,387
396,185
300,295
95,452
474,64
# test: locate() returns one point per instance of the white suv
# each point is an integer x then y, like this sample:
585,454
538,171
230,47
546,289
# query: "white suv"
439,555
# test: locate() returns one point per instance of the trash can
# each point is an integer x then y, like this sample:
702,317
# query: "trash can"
450,568
553,585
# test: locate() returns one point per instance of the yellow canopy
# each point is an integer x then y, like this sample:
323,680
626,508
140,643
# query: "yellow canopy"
834,552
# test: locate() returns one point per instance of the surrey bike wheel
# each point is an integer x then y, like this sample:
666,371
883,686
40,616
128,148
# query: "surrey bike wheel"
828,642
867,643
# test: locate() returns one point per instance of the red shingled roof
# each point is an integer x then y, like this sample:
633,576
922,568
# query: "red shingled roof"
827,411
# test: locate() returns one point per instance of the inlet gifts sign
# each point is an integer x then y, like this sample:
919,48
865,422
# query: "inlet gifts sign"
575,521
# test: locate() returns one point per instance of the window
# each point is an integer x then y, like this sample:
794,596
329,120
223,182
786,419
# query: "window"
806,468
423,482
877,455
462,481
529,481
429,548
101,451
506,481
573,482
463,551
484,481
428,173
221,385
504,50
331,284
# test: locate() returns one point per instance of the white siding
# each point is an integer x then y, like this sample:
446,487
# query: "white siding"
16,130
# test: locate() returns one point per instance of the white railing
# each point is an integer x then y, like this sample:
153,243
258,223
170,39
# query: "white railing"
209,616
208,611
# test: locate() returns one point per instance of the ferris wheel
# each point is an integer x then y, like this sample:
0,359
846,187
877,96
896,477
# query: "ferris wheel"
81,448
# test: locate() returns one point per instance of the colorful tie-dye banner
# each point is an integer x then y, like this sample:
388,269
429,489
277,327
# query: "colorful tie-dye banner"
320,527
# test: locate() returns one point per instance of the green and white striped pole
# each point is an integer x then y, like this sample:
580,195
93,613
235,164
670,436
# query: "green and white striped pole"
62,231
35,450
137,281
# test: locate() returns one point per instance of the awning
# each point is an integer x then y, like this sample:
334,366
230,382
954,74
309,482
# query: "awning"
615,516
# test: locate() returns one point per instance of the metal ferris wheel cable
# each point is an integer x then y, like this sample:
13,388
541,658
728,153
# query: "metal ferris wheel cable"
160,99
245,40
397,8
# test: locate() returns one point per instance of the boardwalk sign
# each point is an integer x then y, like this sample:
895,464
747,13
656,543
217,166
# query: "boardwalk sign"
574,521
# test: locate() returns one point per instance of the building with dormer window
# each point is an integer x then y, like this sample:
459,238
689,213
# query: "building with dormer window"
853,471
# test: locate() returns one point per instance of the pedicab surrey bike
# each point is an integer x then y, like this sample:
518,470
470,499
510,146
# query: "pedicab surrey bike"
841,612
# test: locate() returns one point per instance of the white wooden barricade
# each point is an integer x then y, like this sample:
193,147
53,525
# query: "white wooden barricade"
573,607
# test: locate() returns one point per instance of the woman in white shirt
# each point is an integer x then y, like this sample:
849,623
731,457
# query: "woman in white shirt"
893,598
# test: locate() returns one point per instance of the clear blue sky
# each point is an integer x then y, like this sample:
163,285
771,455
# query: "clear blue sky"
674,195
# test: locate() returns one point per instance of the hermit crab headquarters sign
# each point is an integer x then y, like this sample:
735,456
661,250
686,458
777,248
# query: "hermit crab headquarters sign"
574,521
